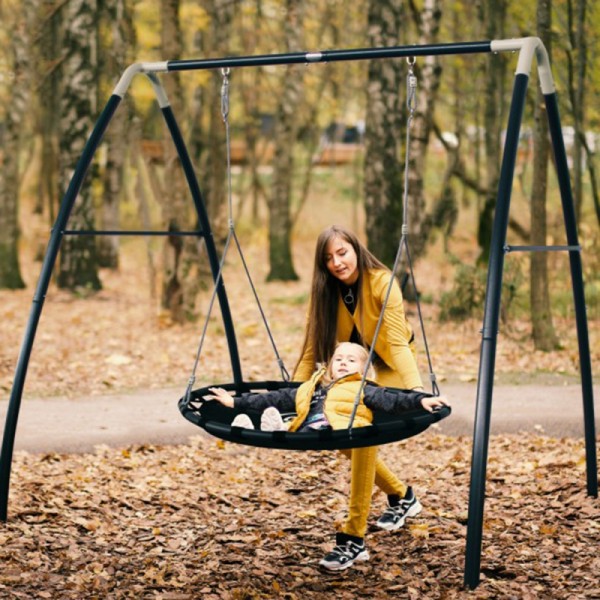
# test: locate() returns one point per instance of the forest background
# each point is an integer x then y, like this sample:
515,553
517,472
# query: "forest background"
311,145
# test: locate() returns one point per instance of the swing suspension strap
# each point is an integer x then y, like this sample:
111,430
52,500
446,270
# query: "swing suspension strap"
411,101
231,235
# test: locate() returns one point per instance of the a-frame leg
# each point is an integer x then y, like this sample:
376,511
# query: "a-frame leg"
489,336
12,415
568,206
491,320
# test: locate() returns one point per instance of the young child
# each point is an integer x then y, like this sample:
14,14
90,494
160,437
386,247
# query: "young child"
327,400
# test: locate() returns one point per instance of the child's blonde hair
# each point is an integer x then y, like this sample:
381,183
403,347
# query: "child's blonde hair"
363,356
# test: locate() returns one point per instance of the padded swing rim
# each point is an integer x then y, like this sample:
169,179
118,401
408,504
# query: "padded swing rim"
215,419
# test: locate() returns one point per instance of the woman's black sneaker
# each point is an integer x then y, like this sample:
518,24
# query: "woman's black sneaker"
348,549
394,516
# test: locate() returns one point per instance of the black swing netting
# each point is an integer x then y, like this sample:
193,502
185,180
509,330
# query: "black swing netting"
215,418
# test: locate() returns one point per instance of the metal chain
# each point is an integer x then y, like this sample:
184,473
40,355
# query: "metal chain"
225,115
411,104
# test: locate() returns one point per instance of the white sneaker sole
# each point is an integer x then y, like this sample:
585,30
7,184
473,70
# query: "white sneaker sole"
413,511
243,421
334,566
271,420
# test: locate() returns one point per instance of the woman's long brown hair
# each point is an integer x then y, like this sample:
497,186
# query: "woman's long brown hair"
321,329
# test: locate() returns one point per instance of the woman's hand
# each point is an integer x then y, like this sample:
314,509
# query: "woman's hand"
220,395
433,404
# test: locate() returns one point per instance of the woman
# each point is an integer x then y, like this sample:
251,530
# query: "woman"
348,291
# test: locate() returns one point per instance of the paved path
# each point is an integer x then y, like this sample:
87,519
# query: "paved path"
67,425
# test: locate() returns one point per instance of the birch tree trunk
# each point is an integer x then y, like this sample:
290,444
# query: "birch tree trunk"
544,336
214,160
15,111
384,133
252,99
117,16
494,110
577,57
173,195
286,123
428,85
47,57
207,137
78,261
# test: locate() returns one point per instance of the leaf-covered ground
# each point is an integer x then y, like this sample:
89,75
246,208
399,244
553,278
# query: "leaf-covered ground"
213,520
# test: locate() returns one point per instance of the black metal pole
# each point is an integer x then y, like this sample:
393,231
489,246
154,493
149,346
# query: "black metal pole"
562,172
12,415
211,249
330,56
489,337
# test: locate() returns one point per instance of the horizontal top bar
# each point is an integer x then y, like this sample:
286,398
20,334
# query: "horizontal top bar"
527,47
508,248
329,56
131,232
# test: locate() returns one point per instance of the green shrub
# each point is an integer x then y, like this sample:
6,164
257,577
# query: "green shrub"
467,297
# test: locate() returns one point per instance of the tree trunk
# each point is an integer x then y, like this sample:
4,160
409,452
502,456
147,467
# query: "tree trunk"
78,262
445,211
252,99
577,57
47,71
429,73
172,201
544,336
207,136
10,272
495,13
384,133
117,15
181,267
286,123
214,161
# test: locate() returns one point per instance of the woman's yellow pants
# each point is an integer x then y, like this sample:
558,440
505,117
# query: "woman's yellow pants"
366,469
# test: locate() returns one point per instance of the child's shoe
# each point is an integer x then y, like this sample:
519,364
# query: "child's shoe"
271,420
348,549
244,421
399,508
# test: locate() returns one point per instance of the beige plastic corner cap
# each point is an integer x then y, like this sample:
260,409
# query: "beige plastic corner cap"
132,70
528,48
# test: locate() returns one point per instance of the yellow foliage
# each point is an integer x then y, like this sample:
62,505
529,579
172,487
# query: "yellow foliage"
193,18
142,93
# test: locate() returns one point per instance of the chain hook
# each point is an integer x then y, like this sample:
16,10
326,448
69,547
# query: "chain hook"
411,85
225,93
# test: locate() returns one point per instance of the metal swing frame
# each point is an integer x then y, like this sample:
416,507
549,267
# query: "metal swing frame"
528,49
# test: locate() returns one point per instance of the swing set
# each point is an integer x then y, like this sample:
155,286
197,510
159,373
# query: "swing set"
214,417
